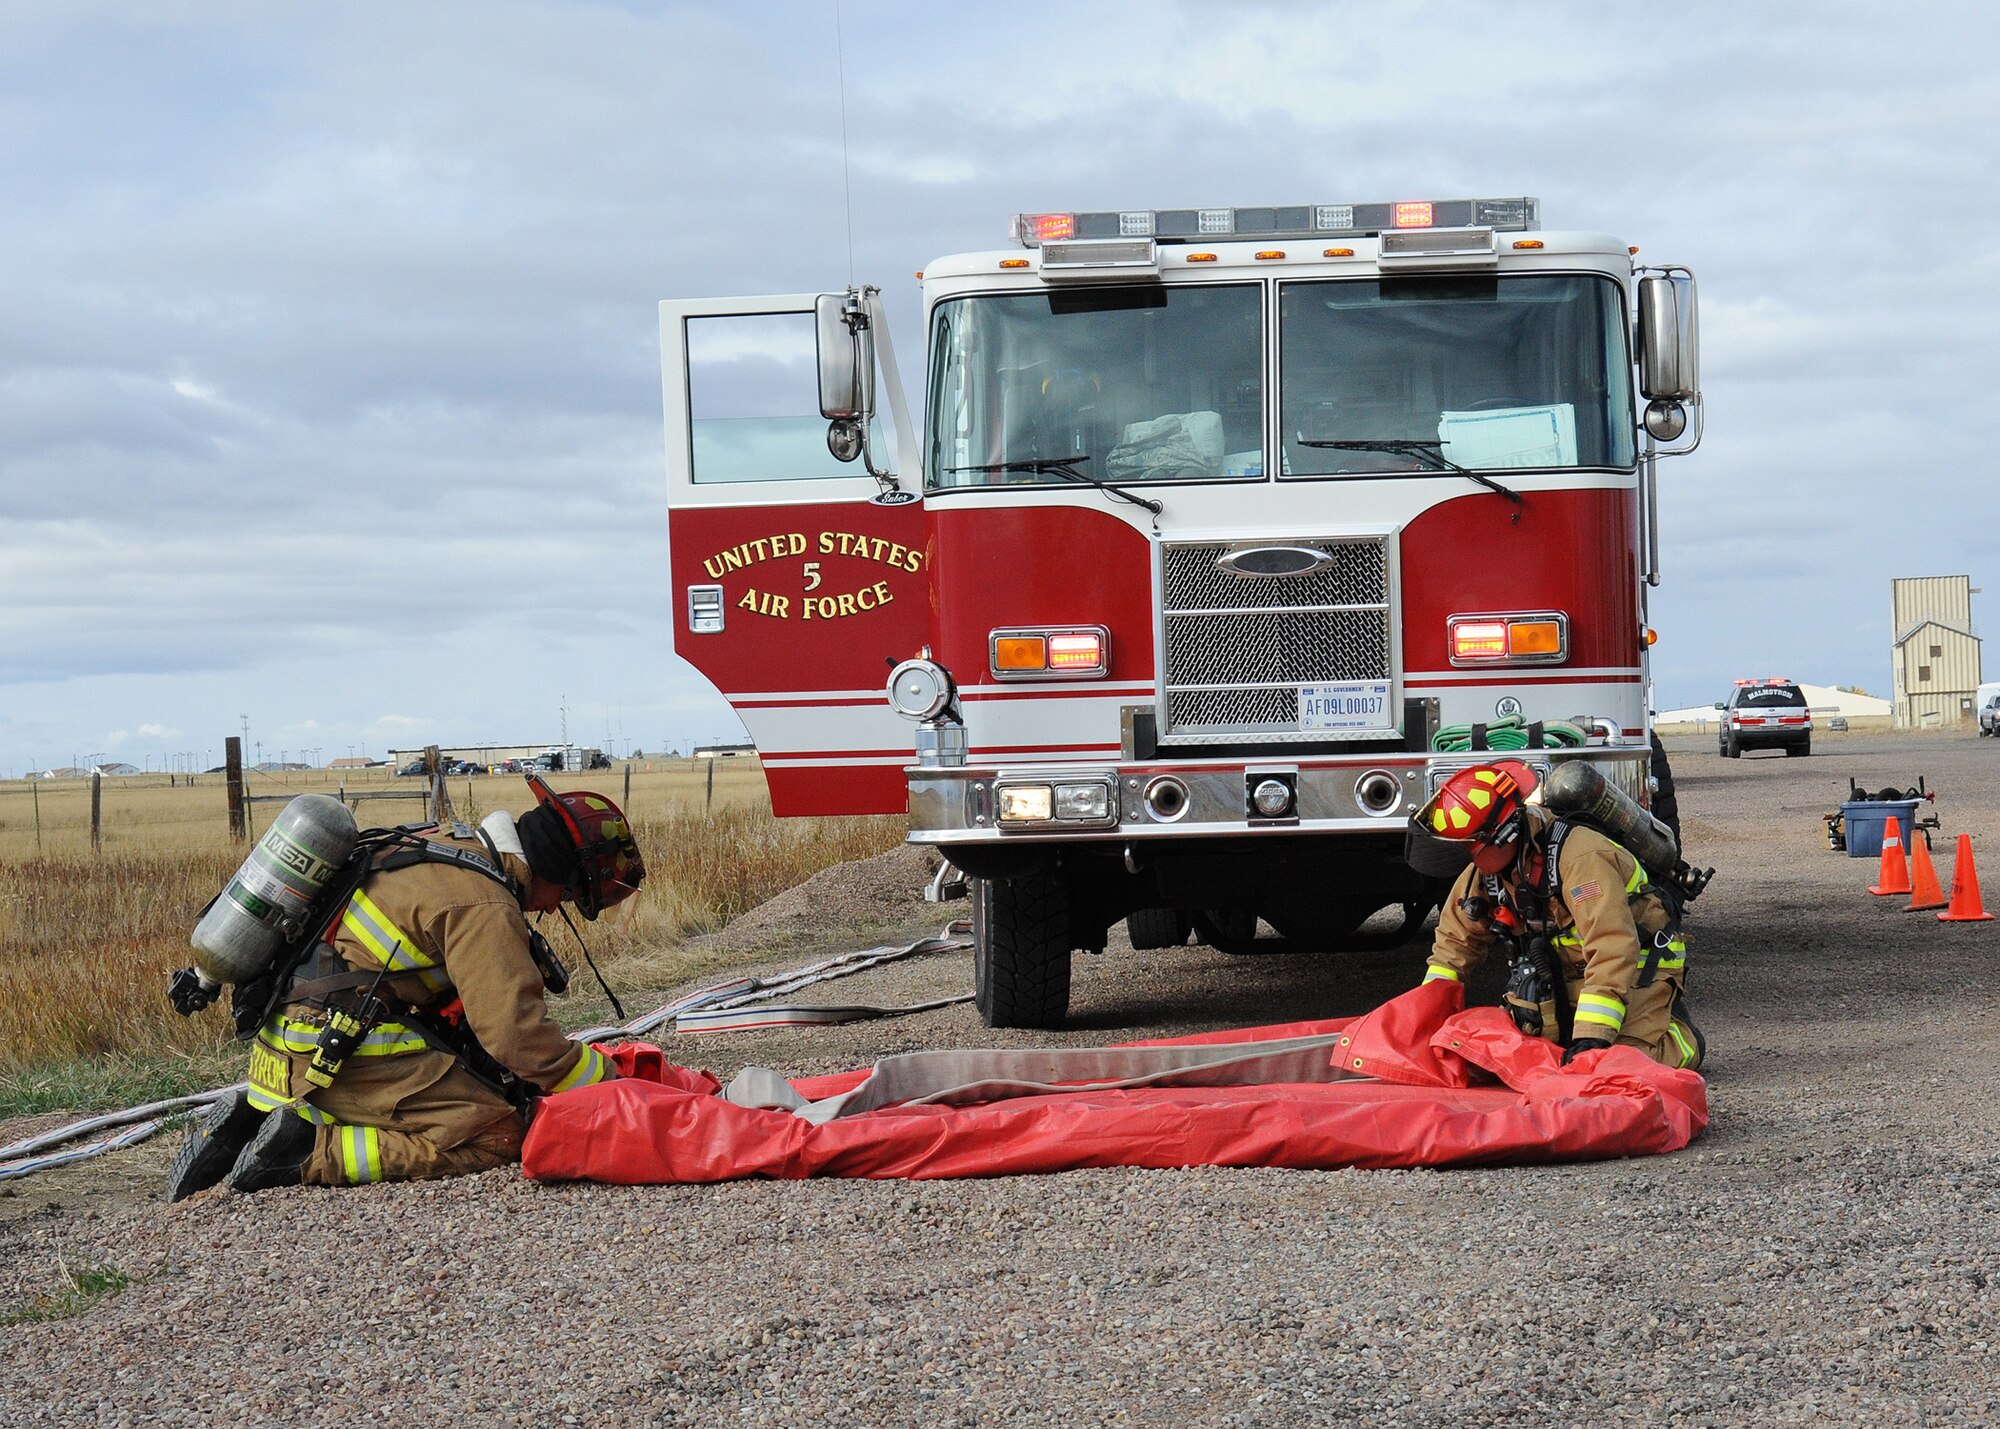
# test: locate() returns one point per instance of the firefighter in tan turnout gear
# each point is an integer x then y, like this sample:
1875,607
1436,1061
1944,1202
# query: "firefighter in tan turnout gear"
1560,896
436,979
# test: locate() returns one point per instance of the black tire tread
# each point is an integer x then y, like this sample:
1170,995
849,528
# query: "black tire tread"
1021,958
1152,928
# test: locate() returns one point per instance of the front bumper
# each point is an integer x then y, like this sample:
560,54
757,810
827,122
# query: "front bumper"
962,805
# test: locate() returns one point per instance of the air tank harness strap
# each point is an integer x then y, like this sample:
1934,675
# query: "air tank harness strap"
1665,950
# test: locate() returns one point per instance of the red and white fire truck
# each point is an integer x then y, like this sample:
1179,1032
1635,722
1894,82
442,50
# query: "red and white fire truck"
1228,535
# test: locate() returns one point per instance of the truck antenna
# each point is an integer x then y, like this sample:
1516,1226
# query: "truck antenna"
846,186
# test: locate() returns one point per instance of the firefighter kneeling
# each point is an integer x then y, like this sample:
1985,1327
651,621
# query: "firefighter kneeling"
410,1044
1597,956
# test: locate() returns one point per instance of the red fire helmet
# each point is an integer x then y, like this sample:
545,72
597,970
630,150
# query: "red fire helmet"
1477,805
609,868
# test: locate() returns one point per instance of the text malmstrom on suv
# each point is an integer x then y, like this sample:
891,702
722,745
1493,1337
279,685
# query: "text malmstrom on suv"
1765,714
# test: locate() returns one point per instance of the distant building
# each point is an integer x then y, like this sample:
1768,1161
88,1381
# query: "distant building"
1935,657
721,751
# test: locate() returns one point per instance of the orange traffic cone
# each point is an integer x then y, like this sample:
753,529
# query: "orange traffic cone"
1965,904
1924,890
1895,873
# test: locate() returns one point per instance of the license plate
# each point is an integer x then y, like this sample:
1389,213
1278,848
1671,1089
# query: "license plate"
1345,704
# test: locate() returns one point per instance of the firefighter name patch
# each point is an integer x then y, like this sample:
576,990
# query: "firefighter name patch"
269,1071
1583,892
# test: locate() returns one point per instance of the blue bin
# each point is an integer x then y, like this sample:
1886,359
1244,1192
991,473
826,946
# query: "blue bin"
1866,819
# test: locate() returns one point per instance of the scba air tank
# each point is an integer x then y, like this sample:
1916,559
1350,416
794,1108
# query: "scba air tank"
272,893
1575,788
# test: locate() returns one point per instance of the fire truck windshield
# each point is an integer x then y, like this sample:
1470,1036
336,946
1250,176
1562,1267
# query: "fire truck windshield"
1126,384
1486,372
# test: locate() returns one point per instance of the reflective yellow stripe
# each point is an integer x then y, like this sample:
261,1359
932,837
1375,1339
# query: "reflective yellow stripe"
590,1069
382,937
360,1154
295,1034
1595,1007
1688,1052
1436,971
1638,879
264,1101
1566,940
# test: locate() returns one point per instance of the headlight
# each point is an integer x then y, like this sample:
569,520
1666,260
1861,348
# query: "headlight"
1078,802
1027,804
1083,801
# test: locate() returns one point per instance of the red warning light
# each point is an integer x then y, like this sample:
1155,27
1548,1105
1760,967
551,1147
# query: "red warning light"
1414,215
1053,225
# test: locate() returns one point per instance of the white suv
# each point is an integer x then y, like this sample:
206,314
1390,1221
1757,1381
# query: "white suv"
1765,714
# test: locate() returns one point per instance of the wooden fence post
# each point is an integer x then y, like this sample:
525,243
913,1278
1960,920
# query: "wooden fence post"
37,786
711,785
97,811
440,810
626,803
232,775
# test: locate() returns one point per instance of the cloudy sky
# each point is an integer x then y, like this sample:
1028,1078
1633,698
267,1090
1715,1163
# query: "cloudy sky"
329,386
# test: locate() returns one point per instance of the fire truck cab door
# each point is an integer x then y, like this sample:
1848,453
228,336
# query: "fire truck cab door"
798,580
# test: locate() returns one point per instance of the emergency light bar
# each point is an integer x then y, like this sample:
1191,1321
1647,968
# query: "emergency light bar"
1325,220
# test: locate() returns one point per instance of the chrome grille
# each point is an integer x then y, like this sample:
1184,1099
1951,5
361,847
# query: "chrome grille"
1236,649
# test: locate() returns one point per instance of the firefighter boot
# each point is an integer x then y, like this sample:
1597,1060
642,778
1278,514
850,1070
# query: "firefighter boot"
276,1155
213,1146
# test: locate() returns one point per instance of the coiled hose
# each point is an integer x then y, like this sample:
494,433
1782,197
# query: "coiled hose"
1507,735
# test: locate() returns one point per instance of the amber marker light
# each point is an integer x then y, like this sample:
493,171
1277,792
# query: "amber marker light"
1652,637
1338,253
1020,652
1529,243
1267,254
1013,262
1201,257
1534,637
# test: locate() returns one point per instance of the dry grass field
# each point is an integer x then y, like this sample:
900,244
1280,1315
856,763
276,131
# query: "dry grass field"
87,941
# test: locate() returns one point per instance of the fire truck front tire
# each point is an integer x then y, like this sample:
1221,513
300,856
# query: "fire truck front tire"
1158,928
1666,801
1021,949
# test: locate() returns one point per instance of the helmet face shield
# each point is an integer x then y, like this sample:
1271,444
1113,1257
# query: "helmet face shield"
609,867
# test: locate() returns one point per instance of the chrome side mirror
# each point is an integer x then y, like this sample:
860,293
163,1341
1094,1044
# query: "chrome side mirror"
1665,420
1669,356
846,360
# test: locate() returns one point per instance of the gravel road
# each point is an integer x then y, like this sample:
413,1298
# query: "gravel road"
1825,1254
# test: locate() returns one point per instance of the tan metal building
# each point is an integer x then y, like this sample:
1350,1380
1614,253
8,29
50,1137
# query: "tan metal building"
1935,659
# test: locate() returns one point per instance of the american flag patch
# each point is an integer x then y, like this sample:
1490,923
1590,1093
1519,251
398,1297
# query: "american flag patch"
1585,891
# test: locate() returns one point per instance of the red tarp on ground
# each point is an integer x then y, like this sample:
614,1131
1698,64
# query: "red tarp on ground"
1440,1086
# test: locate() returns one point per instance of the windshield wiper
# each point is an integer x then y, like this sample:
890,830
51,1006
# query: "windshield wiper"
1066,468
1422,448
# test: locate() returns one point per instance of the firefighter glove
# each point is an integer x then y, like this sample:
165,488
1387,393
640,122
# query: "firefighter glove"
1579,1045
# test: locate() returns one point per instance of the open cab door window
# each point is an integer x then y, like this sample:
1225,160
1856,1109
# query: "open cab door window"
799,578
